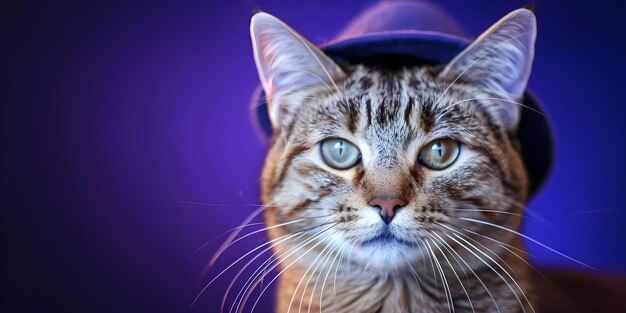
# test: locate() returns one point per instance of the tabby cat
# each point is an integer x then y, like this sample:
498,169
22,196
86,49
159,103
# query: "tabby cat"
396,189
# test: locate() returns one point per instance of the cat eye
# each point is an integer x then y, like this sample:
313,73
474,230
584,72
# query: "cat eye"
339,153
439,154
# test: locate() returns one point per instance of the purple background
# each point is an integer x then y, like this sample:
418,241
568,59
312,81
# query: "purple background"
115,115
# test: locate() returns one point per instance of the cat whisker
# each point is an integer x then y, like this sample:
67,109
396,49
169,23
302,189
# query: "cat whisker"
471,270
260,273
340,250
418,280
532,212
265,263
248,288
489,250
430,258
224,233
319,274
233,264
459,228
594,211
529,239
505,246
494,270
286,268
221,204
485,211
351,245
447,247
234,234
320,255
455,274
256,224
229,242
238,260
446,287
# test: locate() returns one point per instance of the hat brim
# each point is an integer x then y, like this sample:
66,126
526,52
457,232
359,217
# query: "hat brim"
432,48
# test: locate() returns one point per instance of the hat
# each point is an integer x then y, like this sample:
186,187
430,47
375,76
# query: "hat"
418,33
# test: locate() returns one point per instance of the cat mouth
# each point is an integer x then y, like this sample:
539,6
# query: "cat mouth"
386,237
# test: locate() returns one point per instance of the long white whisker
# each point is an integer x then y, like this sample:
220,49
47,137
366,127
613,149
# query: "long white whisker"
446,287
459,228
529,239
232,236
289,251
455,274
486,211
250,234
282,271
246,226
336,269
339,252
430,258
506,247
261,271
495,271
319,274
471,270
267,263
487,249
320,255
418,280
280,259
237,261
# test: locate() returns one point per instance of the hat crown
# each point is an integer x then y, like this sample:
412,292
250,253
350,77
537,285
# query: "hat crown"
401,16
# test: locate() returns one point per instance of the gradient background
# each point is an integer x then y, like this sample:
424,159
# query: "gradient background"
116,114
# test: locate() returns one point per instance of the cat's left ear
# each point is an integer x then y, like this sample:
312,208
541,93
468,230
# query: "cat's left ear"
499,61
287,64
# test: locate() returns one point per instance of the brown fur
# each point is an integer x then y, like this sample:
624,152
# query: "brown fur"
445,249
496,170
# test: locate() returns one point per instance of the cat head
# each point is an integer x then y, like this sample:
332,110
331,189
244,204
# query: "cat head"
392,162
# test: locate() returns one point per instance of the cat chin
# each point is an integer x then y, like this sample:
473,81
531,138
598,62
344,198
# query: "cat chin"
388,257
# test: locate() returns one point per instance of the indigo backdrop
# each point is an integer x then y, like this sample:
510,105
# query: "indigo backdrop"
119,119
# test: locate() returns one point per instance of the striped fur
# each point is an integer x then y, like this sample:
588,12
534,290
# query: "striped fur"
390,114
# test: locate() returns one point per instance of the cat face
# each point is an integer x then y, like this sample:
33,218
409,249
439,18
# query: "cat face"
389,165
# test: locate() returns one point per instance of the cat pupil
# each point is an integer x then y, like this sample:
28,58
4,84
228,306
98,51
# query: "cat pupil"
438,149
340,148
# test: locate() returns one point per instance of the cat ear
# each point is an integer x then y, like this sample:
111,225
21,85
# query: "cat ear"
287,63
499,61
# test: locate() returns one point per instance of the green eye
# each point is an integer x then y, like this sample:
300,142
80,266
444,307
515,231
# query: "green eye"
440,153
339,153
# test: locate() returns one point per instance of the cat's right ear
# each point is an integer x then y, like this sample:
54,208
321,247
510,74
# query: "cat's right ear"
499,62
287,64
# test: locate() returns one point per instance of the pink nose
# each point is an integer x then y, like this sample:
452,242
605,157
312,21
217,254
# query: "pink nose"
387,206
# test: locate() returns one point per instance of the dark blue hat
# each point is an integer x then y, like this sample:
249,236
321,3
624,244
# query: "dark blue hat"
418,33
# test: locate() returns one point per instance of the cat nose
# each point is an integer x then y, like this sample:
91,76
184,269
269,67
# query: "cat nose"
387,206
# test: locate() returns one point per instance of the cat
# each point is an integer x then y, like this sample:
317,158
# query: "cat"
396,189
